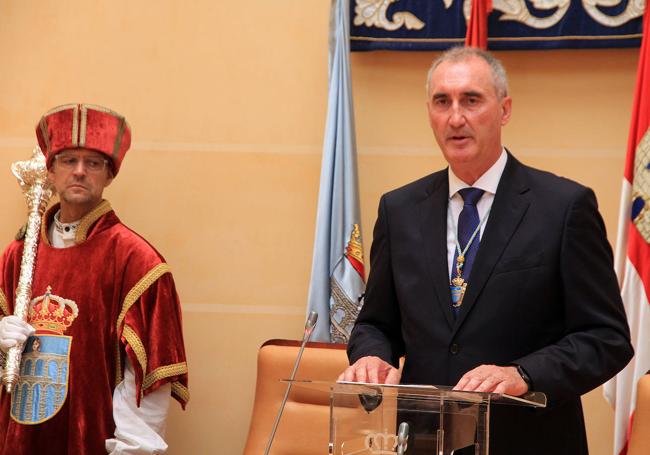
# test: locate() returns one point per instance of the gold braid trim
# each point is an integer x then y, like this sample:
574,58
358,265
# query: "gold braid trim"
164,372
118,139
3,303
83,125
136,344
44,226
75,126
89,219
133,295
97,107
181,391
46,137
60,108
43,123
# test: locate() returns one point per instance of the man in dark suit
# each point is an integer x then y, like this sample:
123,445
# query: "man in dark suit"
490,275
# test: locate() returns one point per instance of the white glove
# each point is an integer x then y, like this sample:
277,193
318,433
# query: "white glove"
13,331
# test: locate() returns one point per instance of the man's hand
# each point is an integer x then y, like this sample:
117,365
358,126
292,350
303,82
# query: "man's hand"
371,369
13,331
491,378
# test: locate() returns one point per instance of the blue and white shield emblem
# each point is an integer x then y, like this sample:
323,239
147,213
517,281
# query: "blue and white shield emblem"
43,385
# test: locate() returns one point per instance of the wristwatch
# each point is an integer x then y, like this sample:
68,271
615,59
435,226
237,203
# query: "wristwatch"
525,377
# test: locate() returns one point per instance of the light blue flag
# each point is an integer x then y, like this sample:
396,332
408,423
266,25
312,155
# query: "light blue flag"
337,274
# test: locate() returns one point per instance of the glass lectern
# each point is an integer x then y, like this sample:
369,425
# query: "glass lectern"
371,419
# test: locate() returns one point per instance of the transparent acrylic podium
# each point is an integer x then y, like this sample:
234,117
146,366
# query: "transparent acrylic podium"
364,418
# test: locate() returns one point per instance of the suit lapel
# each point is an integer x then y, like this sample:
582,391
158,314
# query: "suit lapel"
509,206
433,225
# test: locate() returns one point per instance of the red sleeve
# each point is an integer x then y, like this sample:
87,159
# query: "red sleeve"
152,335
9,272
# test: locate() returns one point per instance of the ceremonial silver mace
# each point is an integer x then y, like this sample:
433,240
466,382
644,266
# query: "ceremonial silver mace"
32,177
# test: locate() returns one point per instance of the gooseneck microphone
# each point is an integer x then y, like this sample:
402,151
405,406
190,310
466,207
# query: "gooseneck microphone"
402,438
309,328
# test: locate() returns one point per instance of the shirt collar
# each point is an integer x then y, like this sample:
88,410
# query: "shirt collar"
488,182
65,229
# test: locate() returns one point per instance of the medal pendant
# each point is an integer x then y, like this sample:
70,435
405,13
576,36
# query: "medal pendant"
457,287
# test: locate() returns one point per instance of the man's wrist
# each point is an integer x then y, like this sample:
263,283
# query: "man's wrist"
524,376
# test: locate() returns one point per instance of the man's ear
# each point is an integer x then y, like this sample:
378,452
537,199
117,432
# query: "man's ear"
506,110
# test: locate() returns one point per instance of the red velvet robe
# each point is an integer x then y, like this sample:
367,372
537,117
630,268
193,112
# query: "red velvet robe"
126,305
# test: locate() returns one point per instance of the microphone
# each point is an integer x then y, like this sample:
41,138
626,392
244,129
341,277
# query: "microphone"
310,323
402,438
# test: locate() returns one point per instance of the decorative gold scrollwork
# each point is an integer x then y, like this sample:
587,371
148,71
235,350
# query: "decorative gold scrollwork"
517,10
372,13
633,10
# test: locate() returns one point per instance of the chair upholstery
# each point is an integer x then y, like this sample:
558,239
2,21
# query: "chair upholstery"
640,433
304,428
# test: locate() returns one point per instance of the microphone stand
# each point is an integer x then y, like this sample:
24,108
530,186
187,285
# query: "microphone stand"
309,328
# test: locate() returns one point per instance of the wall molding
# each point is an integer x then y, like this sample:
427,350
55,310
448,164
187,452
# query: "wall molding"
16,143
244,309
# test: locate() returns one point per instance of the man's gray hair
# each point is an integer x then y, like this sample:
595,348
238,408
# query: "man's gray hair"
459,53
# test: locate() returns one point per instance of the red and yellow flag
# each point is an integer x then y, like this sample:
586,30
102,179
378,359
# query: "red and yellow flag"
633,251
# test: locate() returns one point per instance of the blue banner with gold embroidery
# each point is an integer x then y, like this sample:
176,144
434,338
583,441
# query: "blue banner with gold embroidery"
337,271
512,24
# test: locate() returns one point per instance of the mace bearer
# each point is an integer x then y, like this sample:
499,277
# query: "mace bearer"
102,346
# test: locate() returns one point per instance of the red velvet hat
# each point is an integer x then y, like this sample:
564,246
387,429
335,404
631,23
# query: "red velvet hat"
88,126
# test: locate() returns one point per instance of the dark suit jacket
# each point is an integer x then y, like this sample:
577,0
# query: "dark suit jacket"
542,294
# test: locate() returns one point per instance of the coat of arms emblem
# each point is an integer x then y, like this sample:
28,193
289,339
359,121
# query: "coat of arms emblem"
43,385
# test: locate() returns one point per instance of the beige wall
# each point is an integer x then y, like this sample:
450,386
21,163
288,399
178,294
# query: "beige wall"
227,101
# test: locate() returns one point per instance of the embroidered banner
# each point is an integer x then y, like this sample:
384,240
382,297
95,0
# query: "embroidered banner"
337,273
513,24
633,254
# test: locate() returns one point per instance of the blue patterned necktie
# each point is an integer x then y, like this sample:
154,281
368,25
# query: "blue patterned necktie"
468,222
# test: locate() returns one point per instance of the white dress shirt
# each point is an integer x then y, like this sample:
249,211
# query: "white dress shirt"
488,182
138,430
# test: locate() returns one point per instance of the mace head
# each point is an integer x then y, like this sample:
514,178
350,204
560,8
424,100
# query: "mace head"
32,177
31,171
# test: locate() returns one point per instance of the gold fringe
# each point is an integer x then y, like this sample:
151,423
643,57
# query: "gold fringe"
3,303
181,391
89,219
132,296
136,344
164,372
